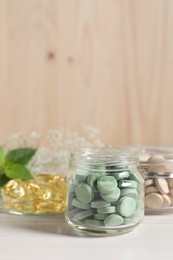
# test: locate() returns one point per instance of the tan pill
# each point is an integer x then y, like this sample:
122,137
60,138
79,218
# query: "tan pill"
157,169
171,191
154,201
170,183
171,198
156,163
166,200
149,182
162,185
144,157
151,189
156,159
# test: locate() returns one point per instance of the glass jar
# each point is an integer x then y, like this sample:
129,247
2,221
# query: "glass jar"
105,195
156,166
45,194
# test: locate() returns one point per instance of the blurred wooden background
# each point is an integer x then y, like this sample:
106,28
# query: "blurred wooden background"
105,63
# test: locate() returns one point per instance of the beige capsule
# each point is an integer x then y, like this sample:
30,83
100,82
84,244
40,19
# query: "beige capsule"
154,201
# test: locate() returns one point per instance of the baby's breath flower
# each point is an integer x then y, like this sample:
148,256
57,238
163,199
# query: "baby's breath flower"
55,157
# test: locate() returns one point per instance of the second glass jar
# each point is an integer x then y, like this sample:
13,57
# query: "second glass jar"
105,191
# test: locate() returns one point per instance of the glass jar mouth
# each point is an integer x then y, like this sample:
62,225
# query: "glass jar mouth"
155,175
105,157
145,152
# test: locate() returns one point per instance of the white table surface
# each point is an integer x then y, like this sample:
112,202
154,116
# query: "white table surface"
39,238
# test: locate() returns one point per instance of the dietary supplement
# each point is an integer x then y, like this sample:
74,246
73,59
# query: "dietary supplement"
156,166
105,192
44,194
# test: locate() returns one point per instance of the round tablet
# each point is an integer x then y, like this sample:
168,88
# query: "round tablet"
166,200
113,220
162,185
84,214
151,189
93,222
74,212
156,159
171,191
80,177
99,204
76,203
153,200
112,197
131,192
106,210
128,221
92,178
126,206
100,216
127,183
106,184
149,182
170,183
121,175
84,193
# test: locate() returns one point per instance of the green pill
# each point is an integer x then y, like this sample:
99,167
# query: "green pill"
128,221
84,214
93,222
100,216
92,179
106,184
113,220
80,177
74,212
73,187
106,210
112,197
121,175
133,177
131,192
99,169
70,199
84,193
99,204
126,206
76,203
127,183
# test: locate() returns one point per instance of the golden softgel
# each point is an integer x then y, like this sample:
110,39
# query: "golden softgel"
46,193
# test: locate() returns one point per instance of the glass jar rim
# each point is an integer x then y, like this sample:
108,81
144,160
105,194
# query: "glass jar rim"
150,150
105,156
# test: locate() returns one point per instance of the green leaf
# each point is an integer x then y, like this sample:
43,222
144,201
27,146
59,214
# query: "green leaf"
20,155
3,180
17,171
2,156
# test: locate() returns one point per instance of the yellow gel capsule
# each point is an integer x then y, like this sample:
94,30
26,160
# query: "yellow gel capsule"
45,178
14,189
44,194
